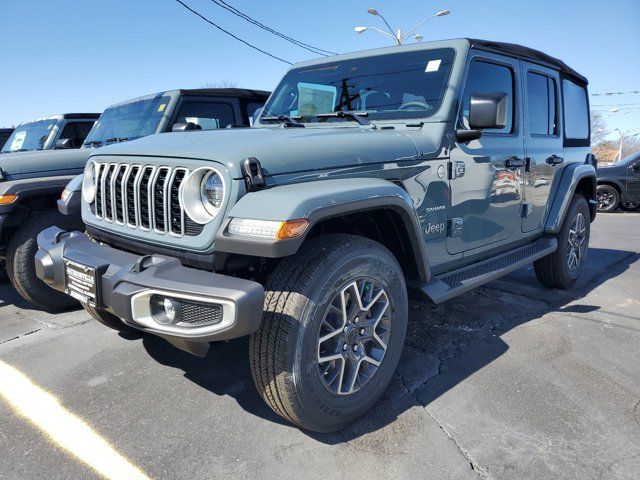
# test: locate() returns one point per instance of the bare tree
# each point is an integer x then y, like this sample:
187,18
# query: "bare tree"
221,84
598,130
630,145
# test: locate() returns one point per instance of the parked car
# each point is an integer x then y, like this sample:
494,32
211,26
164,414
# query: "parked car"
32,182
67,130
619,185
5,133
365,174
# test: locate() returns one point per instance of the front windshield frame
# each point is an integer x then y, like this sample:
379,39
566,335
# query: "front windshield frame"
113,127
26,136
438,63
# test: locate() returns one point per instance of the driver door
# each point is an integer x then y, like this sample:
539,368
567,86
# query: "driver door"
486,174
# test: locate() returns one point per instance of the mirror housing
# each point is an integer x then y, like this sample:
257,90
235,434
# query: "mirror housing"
255,115
63,144
185,127
488,110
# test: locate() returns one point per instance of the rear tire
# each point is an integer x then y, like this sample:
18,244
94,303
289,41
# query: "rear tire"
21,267
561,268
110,320
331,313
608,198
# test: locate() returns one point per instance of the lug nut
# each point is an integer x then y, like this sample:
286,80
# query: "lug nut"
355,348
344,347
357,320
362,331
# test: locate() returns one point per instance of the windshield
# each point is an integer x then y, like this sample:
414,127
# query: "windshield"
128,121
393,86
30,136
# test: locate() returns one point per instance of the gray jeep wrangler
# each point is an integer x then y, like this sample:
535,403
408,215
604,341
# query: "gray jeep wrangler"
436,167
32,182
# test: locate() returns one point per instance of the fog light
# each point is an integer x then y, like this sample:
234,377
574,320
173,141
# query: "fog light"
165,310
170,309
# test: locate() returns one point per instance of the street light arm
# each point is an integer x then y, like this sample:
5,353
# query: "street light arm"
387,24
382,32
417,26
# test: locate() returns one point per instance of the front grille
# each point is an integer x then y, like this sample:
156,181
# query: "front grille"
194,314
143,197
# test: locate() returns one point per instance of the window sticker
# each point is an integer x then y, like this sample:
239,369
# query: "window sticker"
433,66
18,140
314,98
162,107
50,127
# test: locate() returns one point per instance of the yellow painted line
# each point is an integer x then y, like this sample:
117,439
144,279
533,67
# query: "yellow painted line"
63,428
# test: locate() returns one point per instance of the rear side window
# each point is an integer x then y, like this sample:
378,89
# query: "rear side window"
485,77
576,111
541,102
210,116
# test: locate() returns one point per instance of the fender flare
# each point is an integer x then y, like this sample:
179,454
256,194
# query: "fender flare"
572,175
30,187
316,201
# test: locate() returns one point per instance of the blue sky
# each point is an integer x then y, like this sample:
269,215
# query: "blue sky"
72,55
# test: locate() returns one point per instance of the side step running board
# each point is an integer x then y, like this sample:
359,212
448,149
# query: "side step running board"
449,285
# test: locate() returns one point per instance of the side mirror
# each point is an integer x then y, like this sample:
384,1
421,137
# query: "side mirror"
63,144
185,127
488,111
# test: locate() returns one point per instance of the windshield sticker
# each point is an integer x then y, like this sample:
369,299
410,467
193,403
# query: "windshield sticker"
433,66
162,107
18,140
314,98
49,127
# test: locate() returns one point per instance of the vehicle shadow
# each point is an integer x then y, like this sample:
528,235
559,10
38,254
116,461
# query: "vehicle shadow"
441,348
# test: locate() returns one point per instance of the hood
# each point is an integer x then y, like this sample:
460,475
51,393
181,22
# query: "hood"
43,161
284,150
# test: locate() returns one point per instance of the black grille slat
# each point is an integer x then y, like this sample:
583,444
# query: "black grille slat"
108,207
119,213
98,200
130,192
145,219
159,199
175,211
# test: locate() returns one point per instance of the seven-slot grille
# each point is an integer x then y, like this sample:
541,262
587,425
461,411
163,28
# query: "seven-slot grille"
142,196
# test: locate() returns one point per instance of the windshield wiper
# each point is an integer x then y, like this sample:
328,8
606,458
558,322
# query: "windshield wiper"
287,121
116,139
92,143
357,116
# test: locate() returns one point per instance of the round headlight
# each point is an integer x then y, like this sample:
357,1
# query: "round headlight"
212,192
89,182
202,194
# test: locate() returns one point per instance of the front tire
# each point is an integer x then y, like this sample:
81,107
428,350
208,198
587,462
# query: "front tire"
608,198
333,328
21,267
562,268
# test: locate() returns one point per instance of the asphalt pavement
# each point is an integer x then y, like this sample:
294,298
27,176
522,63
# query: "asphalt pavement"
510,381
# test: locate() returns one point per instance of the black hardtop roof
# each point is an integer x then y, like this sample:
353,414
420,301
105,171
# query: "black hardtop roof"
80,115
529,53
5,130
228,92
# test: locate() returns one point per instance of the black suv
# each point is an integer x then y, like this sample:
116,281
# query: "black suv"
619,185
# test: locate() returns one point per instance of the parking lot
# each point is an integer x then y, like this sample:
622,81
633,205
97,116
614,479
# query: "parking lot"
508,381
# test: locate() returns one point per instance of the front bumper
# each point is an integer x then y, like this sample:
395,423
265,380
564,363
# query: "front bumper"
126,284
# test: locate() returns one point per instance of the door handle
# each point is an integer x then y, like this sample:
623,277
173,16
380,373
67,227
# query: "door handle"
554,160
515,162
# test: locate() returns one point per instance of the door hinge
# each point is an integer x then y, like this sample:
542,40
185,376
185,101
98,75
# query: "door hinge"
527,210
253,175
456,226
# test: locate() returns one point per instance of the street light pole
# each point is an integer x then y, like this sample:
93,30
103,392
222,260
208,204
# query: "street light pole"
619,155
398,36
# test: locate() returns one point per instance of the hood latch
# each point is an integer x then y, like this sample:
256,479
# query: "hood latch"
252,172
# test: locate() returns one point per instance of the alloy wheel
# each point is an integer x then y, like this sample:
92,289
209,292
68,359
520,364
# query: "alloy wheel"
353,336
577,242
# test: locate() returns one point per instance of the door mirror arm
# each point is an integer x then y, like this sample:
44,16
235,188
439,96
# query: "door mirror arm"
464,136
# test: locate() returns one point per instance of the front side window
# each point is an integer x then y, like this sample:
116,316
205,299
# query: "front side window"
76,132
576,111
208,115
30,136
394,86
128,121
541,102
485,77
